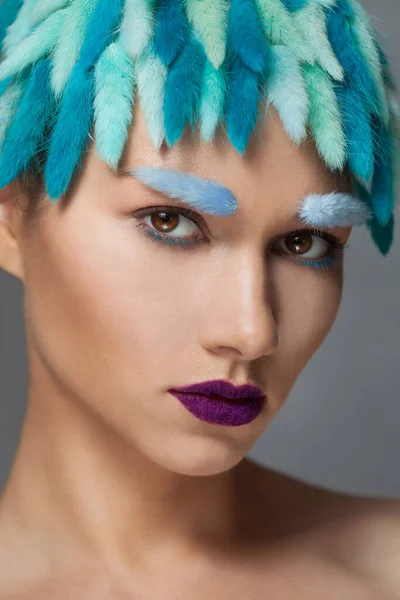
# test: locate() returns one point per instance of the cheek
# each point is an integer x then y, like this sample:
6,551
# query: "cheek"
305,305
104,308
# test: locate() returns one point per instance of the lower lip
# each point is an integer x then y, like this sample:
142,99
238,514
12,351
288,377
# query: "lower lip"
220,411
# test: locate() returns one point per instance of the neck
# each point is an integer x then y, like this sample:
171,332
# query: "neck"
76,485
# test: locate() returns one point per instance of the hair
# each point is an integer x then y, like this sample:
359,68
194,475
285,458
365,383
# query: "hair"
70,65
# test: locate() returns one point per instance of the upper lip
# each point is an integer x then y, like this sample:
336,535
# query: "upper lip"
223,388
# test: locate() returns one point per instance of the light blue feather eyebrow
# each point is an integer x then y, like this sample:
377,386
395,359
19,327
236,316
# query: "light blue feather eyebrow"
205,195
316,210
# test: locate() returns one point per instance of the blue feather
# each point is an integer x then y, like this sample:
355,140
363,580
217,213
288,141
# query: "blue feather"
4,85
171,30
242,103
382,192
342,41
76,111
245,35
183,89
294,5
26,129
8,13
357,128
70,132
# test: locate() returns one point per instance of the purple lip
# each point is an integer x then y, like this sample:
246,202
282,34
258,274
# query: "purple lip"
224,389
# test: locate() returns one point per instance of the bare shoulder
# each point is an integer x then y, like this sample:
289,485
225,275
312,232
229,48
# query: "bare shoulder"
360,534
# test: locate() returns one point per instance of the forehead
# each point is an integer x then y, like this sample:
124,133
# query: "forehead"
272,166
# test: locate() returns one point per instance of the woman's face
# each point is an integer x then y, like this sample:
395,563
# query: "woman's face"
115,319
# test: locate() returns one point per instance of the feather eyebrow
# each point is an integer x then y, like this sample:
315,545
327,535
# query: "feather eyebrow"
331,210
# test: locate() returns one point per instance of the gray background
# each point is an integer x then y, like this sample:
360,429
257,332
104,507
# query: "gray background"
340,426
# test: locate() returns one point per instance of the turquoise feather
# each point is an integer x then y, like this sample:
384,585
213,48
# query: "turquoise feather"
34,47
209,19
26,129
114,101
287,91
20,28
212,101
325,117
9,102
279,27
69,44
151,75
44,8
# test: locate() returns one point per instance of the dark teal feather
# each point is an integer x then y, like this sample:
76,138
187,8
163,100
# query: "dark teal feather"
245,35
183,90
9,10
244,89
171,30
382,192
357,128
346,49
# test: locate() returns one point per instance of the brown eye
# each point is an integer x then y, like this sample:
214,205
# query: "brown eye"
165,222
300,243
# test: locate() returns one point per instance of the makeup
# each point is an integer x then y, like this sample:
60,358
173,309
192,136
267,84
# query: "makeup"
219,402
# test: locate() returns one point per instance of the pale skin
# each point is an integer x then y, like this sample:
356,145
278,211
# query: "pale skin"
116,490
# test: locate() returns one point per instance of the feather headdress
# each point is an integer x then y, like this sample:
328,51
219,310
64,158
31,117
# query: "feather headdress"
67,66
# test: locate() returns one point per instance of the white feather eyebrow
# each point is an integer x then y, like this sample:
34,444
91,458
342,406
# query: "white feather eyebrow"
334,210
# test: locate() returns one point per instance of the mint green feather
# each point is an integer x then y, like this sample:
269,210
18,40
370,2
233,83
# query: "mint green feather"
209,19
69,44
9,103
286,90
279,27
113,102
364,31
151,74
324,117
137,26
20,28
212,101
34,47
44,8
311,22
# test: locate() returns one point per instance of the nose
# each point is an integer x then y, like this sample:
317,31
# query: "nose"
239,319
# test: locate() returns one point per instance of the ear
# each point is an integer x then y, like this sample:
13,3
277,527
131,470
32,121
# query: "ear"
10,256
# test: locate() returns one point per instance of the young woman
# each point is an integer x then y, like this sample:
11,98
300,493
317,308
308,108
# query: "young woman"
178,181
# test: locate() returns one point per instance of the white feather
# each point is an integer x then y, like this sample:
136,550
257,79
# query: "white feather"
151,74
69,44
311,22
137,27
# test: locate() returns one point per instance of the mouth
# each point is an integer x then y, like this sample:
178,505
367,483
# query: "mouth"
221,389
219,410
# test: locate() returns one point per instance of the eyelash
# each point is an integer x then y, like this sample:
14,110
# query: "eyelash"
336,251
